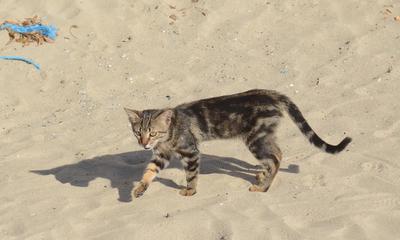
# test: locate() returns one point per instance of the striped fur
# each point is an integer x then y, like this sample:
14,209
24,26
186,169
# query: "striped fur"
252,116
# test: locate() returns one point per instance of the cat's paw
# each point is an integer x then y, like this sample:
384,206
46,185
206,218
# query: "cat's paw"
260,177
257,188
187,192
140,189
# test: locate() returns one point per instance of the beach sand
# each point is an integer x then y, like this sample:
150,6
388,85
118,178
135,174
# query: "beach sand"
68,159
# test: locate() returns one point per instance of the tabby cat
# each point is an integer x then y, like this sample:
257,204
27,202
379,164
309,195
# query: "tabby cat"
252,116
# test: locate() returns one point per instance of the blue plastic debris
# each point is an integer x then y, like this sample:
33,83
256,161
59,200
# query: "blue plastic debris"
29,61
46,30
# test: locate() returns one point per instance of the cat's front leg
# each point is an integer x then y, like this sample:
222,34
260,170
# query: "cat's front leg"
190,161
159,162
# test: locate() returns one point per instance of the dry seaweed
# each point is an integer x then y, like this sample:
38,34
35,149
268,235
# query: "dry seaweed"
27,38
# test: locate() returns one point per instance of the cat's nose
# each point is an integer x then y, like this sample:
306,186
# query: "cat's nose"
147,147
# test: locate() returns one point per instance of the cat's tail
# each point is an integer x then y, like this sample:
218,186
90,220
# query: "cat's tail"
306,129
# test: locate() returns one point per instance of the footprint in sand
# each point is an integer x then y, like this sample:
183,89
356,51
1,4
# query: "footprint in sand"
387,132
372,166
362,91
312,181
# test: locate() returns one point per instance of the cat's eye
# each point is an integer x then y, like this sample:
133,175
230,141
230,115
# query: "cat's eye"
153,134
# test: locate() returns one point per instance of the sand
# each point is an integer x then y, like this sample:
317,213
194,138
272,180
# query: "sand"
68,160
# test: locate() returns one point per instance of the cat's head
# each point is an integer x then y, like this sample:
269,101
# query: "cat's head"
150,126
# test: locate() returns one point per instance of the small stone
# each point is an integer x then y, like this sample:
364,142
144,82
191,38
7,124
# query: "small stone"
173,17
284,71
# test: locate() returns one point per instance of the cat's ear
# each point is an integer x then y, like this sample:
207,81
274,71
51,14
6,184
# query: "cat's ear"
165,117
134,116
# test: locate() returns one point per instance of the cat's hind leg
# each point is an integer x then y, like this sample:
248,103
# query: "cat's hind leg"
268,153
191,163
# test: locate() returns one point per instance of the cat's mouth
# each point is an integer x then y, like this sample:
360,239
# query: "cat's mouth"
147,147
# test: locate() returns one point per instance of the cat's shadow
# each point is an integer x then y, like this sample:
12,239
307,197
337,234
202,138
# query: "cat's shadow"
124,169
